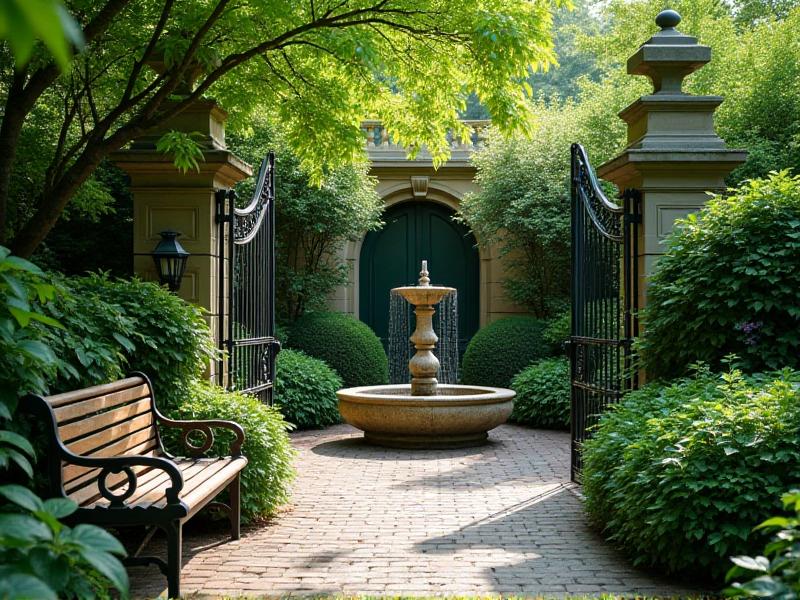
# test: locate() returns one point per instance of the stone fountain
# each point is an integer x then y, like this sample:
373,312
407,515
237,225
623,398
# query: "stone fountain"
424,413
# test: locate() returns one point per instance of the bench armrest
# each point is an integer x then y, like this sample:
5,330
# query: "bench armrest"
205,428
123,464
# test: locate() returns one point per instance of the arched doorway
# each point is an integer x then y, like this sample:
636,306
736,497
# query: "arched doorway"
391,257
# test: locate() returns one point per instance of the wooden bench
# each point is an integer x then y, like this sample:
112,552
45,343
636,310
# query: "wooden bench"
105,453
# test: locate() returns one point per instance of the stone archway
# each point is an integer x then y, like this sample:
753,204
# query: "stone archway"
417,230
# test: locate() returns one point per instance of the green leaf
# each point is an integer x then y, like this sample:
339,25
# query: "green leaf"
93,537
758,563
60,507
110,566
19,459
21,496
16,440
19,586
52,569
23,528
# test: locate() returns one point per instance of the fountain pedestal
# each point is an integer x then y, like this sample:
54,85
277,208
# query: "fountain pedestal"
425,414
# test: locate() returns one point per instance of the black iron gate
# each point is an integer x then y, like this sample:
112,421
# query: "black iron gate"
604,299
246,238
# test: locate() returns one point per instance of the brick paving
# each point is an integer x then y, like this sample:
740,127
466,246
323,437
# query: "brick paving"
501,519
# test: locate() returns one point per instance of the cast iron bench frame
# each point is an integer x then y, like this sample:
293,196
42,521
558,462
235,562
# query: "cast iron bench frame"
102,481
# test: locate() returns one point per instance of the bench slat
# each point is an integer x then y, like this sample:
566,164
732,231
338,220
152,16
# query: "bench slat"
101,420
106,389
115,433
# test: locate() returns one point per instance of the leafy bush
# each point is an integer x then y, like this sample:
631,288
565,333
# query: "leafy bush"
543,394
305,390
678,473
558,330
116,326
502,349
728,283
41,558
346,344
776,574
312,221
266,479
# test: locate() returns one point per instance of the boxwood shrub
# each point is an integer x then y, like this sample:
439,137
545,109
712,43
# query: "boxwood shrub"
305,390
543,394
678,474
502,349
346,344
728,283
269,472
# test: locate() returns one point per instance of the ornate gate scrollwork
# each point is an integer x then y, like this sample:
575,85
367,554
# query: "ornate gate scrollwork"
247,287
604,291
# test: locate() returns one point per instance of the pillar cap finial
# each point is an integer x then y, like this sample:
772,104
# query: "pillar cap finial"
668,56
668,19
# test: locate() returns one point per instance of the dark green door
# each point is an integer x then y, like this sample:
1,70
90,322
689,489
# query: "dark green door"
391,257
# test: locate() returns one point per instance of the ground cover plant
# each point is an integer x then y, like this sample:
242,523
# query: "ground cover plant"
305,390
677,474
502,349
346,344
543,394
728,283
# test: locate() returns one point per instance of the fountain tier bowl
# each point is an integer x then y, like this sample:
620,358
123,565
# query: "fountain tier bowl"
458,416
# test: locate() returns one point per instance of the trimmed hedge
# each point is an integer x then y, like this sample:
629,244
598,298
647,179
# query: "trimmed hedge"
346,344
678,474
502,349
305,390
269,471
543,394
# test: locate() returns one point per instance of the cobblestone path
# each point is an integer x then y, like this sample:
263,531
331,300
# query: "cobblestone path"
501,519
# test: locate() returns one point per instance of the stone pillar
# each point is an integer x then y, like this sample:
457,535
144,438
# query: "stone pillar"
165,198
674,156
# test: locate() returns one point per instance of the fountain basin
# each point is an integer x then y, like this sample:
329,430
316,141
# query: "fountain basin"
458,416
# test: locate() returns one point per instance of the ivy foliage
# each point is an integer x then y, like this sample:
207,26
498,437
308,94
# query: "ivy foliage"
728,283
305,390
776,573
269,472
543,394
346,344
678,473
312,221
502,349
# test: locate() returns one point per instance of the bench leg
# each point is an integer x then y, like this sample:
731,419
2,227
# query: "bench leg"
234,490
174,531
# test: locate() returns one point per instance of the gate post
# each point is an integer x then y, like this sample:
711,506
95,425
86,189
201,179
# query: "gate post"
165,198
674,156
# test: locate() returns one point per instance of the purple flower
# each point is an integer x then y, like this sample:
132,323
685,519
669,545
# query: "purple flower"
750,331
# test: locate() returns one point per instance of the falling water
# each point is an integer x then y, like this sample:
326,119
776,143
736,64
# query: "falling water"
445,323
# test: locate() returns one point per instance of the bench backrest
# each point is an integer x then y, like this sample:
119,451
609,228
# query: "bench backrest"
106,420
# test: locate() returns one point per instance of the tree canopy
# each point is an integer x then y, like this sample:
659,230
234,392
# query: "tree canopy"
320,66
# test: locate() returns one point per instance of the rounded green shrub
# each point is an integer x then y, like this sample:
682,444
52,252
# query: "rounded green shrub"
502,349
678,474
543,394
269,471
728,283
346,344
305,390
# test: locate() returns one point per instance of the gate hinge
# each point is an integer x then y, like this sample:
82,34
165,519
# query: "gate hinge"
632,218
222,215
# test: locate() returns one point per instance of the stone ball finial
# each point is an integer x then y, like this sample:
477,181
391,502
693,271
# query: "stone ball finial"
668,19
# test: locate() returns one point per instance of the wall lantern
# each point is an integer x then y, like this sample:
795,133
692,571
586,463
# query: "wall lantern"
170,258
